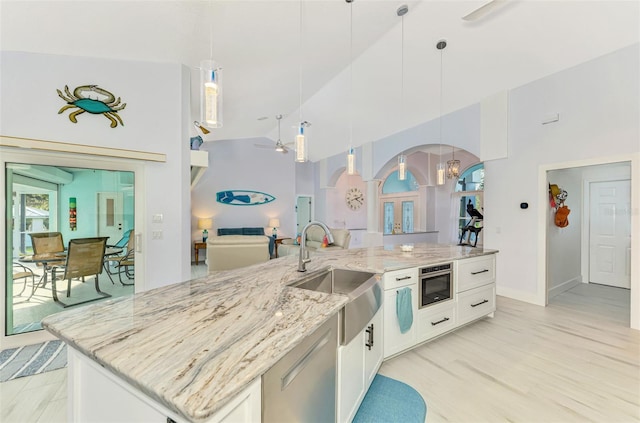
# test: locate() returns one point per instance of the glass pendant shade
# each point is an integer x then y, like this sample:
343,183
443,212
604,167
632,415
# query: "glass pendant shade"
210,94
351,162
440,173
453,169
402,167
301,145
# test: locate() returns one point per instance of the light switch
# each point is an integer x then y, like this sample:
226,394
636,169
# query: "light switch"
157,218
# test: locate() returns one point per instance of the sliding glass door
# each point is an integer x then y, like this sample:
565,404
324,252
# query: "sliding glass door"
70,203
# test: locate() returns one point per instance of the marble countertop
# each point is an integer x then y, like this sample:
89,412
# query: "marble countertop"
193,346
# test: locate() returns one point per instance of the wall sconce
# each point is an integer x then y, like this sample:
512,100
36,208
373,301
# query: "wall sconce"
402,167
275,224
211,94
205,225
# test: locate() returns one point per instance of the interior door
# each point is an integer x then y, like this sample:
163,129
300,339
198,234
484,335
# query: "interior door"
610,233
110,215
303,212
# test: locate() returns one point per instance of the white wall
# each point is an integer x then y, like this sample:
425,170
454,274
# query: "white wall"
239,165
599,112
154,120
564,244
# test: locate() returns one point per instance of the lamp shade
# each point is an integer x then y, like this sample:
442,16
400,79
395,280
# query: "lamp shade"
274,223
205,223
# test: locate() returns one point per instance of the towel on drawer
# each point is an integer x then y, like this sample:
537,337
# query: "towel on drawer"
404,310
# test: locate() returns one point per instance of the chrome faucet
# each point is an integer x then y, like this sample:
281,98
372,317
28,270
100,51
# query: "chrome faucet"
304,253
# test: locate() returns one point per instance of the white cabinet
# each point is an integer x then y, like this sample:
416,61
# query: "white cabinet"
435,320
96,395
476,303
475,272
394,340
474,297
373,341
475,288
358,363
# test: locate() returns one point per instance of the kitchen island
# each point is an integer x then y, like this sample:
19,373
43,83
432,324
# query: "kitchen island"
193,346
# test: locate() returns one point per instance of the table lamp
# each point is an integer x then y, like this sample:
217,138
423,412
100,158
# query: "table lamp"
205,224
275,224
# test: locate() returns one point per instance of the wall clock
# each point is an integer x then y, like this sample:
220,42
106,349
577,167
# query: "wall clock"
354,198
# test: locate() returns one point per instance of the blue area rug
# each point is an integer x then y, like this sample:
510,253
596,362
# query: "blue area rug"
32,359
389,400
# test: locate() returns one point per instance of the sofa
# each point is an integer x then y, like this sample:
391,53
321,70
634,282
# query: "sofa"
238,247
315,235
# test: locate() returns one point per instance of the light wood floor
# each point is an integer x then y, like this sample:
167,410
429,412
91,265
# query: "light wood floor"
573,361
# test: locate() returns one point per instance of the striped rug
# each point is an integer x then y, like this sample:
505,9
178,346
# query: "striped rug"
32,359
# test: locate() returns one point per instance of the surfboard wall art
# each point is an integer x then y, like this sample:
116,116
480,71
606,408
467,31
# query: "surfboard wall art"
243,198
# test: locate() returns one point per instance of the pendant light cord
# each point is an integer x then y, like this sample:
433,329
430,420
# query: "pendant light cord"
300,67
402,70
211,30
351,76
441,95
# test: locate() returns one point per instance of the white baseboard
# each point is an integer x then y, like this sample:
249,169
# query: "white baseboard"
515,294
564,286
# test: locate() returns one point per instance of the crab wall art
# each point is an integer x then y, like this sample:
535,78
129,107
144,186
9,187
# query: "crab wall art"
104,103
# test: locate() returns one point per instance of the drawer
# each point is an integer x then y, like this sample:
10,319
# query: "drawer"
435,320
475,272
398,278
476,303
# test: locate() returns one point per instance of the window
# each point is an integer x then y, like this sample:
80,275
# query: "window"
468,200
400,204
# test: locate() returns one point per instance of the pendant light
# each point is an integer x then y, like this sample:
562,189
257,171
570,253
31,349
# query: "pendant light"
210,87
302,154
351,154
440,168
453,165
402,167
402,159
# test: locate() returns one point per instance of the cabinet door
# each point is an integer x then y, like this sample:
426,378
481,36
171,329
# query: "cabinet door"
394,341
351,384
373,351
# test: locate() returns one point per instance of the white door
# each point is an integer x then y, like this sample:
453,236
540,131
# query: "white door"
110,215
610,233
303,212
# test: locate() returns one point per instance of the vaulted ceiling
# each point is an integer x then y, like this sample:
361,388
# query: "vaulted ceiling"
262,50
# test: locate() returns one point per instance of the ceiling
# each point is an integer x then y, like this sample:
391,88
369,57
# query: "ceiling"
258,44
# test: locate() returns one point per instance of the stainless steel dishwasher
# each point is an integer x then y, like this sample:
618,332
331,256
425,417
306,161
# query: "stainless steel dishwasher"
301,386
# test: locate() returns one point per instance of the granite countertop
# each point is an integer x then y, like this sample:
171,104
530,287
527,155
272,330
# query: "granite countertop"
194,345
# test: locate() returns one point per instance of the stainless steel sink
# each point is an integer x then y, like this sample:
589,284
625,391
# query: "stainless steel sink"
362,288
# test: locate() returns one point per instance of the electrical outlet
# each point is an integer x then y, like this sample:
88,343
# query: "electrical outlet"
156,234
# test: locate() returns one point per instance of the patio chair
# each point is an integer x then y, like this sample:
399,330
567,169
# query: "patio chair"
123,264
123,241
21,272
50,246
84,258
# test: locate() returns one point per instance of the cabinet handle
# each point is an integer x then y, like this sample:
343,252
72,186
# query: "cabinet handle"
481,271
404,278
369,343
480,303
446,319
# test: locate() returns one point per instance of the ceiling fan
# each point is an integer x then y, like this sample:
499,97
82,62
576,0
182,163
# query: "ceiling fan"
279,146
483,10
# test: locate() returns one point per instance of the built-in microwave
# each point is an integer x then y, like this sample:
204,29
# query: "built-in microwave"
436,284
